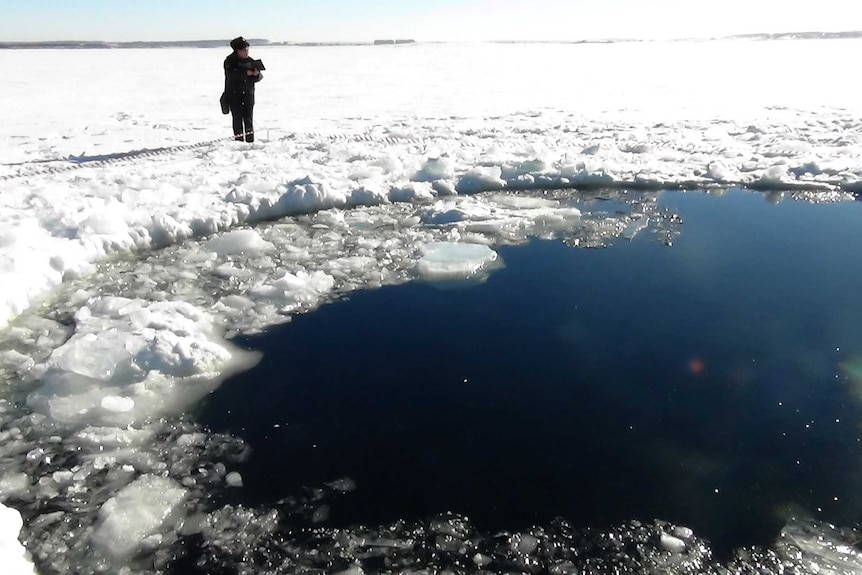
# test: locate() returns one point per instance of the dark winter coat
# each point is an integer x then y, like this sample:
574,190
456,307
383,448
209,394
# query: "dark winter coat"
236,79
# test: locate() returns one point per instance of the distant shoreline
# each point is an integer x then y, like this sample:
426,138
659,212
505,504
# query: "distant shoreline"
96,45
101,45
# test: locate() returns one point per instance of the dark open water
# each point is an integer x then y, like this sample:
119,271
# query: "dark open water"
708,383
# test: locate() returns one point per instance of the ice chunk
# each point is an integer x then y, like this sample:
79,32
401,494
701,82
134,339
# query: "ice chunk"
435,169
13,557
303,195
525,543
181,356
524,202
229,271
443,188
481,179
635,226
126,360
774,174
66,396
238,242
16,360
117,404
110,437
13,484
293,290
672,544
412,192
94,355
112,306
234,479
191,439
137,512
62,477
825,548
435,217
448,260
236,302
719,171
239,196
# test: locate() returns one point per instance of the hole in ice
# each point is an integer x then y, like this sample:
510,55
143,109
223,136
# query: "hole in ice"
598,385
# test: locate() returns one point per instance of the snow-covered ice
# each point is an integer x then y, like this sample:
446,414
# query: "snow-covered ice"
136,239
407,124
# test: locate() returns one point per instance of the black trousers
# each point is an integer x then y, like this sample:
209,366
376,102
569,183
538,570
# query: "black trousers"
242,111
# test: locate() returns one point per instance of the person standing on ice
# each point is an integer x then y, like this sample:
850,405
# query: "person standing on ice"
240,77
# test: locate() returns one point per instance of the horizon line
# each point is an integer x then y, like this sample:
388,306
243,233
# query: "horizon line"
266,42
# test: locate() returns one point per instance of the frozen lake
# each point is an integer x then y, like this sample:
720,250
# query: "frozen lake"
147,262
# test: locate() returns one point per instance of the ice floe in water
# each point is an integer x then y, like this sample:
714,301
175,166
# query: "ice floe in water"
450,261
135,517
130,361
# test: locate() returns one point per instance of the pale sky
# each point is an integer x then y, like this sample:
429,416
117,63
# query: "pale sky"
421,20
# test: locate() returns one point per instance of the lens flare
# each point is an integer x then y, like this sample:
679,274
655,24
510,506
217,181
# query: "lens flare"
852,371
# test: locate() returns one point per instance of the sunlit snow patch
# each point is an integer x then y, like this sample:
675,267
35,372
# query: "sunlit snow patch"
442,261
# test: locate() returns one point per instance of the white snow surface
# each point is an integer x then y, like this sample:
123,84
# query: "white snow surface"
13,557
135,236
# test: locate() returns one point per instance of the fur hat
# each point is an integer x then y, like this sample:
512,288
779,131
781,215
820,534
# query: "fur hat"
238,43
